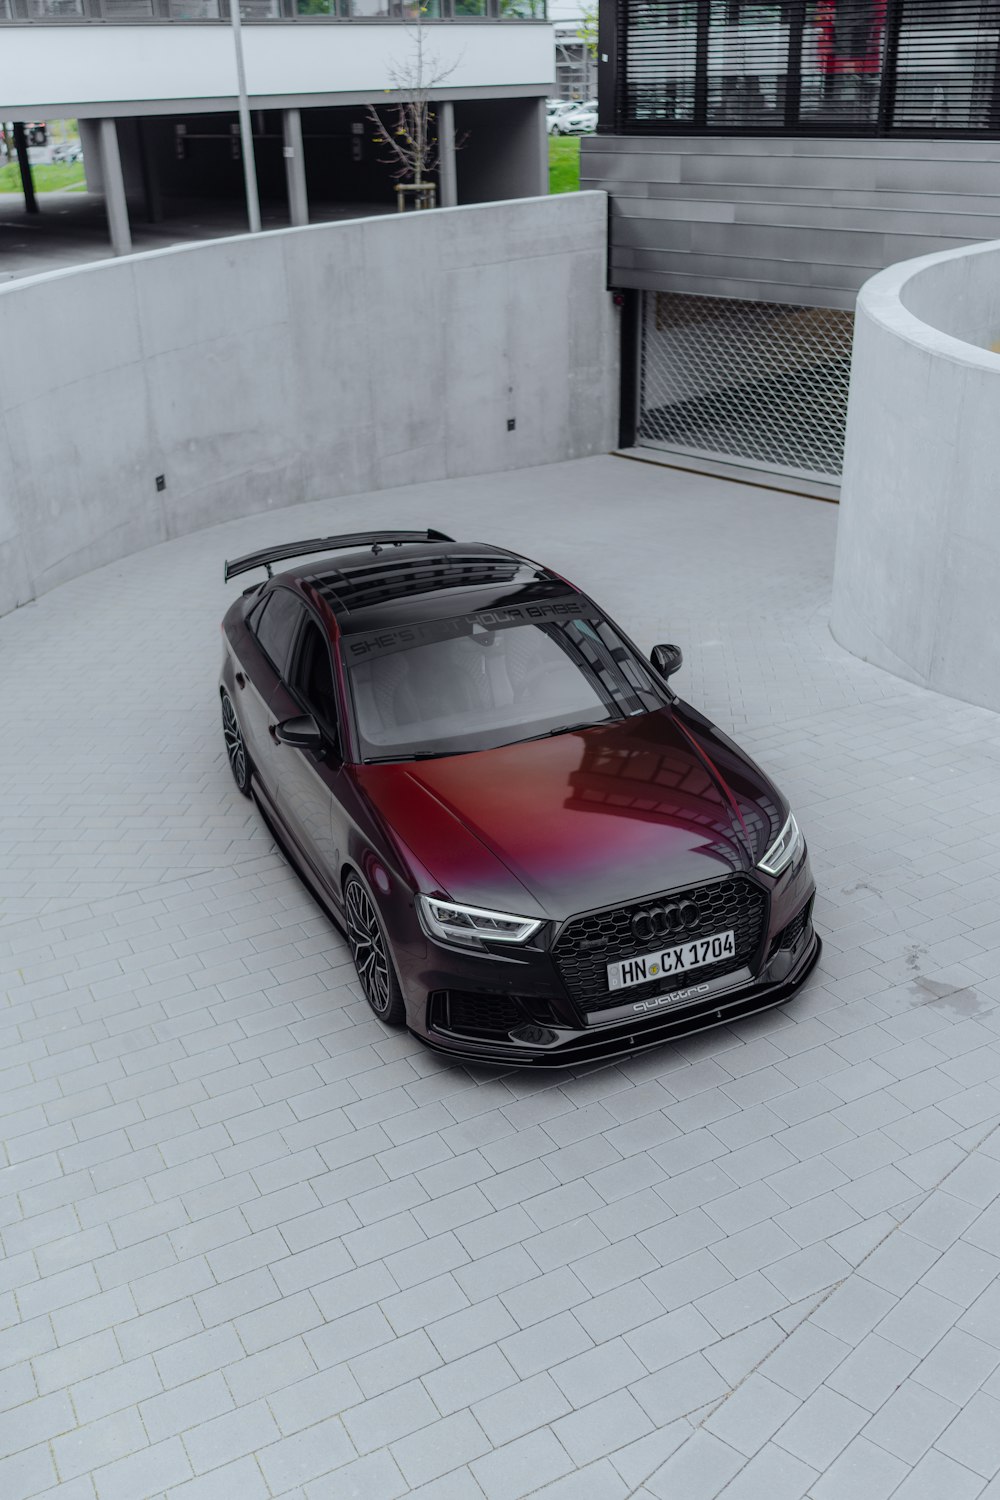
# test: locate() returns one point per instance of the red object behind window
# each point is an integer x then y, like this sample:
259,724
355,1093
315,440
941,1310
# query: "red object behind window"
848,40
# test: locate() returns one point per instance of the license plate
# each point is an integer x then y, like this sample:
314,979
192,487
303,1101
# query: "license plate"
683,959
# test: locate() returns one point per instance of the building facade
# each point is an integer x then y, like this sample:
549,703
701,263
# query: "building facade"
154,86
576,69
763,160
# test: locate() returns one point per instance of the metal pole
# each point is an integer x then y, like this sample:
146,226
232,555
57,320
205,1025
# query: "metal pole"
246,130
23,162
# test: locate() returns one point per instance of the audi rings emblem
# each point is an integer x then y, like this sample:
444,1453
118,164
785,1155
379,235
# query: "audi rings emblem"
659,922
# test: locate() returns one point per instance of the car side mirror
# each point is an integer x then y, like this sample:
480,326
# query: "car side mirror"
302,732
667,659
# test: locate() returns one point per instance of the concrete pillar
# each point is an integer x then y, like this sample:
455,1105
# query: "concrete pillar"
114,189
90,140
447,171
21,147
295,167
149,168
540,126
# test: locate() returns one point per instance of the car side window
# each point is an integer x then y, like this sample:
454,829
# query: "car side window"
275,625
312,674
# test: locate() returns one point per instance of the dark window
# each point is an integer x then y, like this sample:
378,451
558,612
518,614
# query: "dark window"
817,67
947,67
660,52
842,55
312,674
747,64
275,625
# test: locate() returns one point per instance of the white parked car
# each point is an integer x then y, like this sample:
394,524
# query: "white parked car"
581,121
560,111
67,151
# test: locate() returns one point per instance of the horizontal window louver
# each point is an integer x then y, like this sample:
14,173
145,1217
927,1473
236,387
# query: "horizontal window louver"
833,67
946,66
843,49
661,60
126,10
747,64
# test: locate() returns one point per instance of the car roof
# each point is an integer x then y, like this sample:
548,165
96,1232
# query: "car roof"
367,588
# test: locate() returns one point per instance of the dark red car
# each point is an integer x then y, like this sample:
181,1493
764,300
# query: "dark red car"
538,852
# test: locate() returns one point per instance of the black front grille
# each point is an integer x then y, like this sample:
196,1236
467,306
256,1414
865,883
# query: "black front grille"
476,1015
588,944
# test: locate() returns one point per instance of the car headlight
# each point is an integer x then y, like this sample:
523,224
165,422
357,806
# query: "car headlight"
449,922
787,847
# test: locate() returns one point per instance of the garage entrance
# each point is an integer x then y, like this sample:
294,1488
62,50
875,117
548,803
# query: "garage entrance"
756,383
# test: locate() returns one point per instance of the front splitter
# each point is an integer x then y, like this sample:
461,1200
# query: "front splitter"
597,1044
693,994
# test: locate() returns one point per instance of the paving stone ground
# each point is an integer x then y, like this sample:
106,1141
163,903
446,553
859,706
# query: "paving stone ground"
255,1245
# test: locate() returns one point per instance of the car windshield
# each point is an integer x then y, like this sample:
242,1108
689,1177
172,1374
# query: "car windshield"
478,681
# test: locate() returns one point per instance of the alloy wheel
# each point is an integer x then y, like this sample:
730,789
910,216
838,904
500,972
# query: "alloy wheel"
364,933
235,748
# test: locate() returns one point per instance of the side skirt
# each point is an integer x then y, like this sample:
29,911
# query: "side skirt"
310,878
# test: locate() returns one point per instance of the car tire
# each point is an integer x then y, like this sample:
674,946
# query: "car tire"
372,955
236,750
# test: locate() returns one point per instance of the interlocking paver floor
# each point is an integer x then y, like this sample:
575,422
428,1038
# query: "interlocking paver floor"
255,1245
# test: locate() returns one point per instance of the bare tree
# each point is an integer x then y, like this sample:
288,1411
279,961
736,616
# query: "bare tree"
7,149
408,126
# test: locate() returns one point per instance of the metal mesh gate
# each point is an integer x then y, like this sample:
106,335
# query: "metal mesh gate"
756,381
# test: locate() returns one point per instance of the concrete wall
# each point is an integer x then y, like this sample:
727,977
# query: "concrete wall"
263,370
76,70
783,219
918,547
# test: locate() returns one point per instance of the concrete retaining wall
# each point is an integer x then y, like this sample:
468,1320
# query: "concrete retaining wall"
264,370
918,546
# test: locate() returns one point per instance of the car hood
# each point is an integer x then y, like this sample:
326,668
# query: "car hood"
560,825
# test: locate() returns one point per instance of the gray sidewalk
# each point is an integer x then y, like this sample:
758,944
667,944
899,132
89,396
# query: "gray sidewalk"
257,1246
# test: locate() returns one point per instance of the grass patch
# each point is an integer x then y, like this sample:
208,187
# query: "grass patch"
564,163
47,178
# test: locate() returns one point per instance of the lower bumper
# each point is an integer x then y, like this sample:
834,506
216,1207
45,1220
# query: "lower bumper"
546,1046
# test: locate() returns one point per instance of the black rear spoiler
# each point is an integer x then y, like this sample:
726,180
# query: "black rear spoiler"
268,555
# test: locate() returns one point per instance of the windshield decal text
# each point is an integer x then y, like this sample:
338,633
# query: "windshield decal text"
402,637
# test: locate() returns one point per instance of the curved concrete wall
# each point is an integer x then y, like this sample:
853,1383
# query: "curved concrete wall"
917,576
298,365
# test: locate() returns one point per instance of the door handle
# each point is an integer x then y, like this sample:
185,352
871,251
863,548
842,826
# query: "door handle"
241,681
272,730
